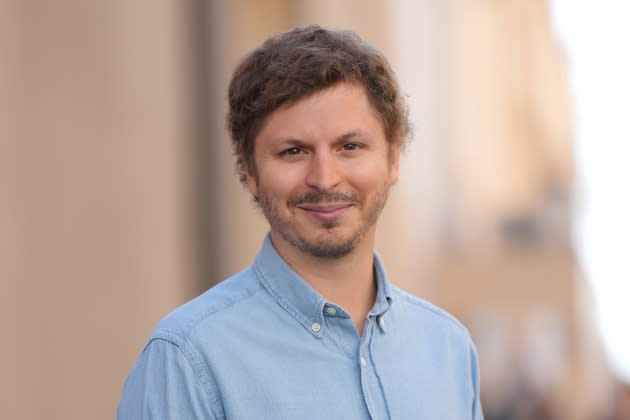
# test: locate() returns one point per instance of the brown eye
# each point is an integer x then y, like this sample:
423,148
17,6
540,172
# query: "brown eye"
292,151
350,146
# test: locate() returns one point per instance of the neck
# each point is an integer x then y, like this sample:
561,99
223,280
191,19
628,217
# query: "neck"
347,281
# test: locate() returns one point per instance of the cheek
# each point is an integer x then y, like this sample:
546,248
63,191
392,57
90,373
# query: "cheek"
279,180
370,175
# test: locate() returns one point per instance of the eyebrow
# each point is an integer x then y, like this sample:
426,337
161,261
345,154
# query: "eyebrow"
340,139
350,135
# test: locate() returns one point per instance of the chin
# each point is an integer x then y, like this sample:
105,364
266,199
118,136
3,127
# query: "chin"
329,245
328,251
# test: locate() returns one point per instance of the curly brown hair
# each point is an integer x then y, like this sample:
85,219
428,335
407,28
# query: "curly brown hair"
293,65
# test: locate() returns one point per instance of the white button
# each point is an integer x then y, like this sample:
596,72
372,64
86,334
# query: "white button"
330,310
316,327
381,321
363,361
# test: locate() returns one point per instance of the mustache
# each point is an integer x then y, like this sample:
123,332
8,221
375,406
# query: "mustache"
323,196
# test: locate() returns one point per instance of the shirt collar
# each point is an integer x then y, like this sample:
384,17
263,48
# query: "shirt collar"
383,299
298,298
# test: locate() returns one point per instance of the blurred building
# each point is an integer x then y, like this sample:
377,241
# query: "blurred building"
119,200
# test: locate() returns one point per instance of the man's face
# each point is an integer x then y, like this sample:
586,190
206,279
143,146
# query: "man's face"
323,172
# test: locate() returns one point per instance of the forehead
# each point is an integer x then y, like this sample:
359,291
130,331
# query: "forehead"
341,107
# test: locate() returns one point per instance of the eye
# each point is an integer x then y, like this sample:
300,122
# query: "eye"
350,146
291,151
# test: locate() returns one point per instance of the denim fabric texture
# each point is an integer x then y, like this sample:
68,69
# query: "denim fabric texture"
264,345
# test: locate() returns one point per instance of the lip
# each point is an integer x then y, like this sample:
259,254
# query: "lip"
325,211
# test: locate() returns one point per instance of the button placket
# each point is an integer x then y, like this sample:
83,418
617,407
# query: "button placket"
363,361
373,392
381,323
365,369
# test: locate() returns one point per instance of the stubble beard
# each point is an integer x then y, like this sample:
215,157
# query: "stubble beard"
329,244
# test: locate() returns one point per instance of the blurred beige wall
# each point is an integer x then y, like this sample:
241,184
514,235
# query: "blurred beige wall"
95,197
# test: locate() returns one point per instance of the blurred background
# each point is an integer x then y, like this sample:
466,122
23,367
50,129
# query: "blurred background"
119,202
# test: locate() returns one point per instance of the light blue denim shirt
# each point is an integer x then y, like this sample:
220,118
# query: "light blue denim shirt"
264,345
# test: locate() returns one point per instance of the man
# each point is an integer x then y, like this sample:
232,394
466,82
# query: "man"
313,329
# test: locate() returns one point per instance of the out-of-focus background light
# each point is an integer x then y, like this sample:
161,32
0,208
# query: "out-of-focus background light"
596,36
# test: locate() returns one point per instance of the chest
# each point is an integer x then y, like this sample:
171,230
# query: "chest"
381,376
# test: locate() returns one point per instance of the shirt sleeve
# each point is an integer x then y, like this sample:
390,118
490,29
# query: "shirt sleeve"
164,385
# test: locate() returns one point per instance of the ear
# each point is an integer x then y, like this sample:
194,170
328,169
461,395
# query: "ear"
252,182
394,165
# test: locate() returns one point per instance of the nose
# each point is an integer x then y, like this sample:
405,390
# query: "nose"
323,172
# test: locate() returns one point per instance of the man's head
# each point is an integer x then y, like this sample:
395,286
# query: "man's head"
317,123
293,65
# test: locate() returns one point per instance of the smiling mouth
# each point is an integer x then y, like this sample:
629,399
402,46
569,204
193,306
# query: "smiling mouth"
325,211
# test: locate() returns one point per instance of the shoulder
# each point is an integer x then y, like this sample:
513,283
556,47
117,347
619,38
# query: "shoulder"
429,315
171,373
232,294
